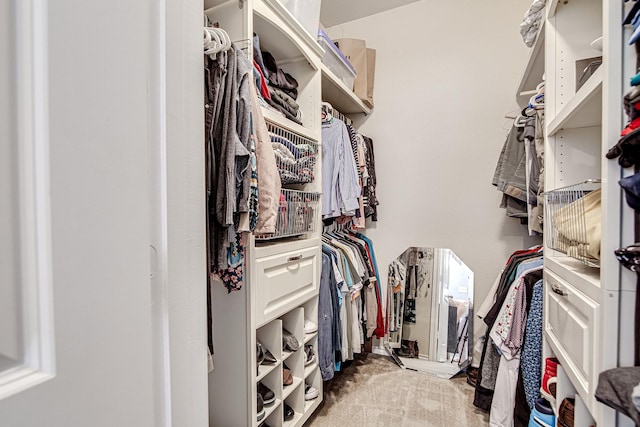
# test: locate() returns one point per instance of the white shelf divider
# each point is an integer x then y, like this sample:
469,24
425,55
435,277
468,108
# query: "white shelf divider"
584,109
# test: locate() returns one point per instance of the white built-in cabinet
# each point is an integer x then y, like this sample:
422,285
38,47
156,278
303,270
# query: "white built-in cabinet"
282,275
588,311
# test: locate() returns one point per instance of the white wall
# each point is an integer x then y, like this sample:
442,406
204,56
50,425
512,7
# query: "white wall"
446,75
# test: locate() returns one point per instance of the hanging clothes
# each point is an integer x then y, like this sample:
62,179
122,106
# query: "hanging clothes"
340,187
513,341
358,313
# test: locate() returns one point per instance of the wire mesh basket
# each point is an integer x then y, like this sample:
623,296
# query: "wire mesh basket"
297,214
573,221
296,155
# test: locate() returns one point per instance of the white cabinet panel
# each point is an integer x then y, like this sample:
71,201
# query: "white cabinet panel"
571,324
284,281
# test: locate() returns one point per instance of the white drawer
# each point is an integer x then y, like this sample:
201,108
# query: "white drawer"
284,281
572,324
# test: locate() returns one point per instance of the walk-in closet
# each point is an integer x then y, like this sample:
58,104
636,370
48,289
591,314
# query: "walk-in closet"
287,213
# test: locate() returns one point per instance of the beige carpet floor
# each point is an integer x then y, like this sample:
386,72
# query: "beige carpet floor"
374,392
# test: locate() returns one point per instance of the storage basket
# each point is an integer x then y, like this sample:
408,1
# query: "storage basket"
572,221
297,214
296,155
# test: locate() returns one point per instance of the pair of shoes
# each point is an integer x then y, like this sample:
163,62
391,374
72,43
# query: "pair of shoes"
549,379
287,378
289,342
310,392
261,410
289,413
566,413
309,355
268,396
310,327
542,415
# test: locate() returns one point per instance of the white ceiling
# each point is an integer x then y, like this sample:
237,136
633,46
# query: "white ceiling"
336,12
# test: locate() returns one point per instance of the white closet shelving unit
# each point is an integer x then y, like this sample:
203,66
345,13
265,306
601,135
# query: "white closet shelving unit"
584,306
281,276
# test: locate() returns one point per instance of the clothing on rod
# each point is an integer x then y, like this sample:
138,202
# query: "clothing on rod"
507,383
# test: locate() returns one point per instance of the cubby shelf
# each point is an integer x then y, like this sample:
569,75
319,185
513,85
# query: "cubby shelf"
308,370
309,337
335,92
288,389
264,370
584,109
269,409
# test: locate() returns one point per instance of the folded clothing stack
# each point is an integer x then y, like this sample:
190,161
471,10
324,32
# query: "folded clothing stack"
295,162
278,88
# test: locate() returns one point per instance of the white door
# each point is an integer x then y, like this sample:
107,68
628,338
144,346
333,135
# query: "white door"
101,293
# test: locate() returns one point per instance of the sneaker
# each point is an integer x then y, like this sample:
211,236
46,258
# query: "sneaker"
268,396
309,355
310,392
261,410
289,413
309,327
542,415
289,342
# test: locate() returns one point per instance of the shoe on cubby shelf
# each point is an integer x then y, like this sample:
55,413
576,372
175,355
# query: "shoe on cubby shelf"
268,396
287,378
309,355
261,411
289,342
288,412
309,327
310,392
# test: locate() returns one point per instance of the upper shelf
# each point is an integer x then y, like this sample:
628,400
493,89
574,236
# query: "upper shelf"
273,10
335,92
584,109
283,122
534,69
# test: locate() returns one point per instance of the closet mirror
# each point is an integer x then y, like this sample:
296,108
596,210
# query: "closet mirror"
430,311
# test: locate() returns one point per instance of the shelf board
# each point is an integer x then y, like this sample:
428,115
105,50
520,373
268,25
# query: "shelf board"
270,408
308,370
264,370
585,279
291,23
584,109
276,118
309,337
288,389
534,68
286,354
295,421
336,93
311,405
209,4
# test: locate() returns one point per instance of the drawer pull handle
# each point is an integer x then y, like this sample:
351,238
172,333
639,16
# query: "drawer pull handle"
558,290
294,258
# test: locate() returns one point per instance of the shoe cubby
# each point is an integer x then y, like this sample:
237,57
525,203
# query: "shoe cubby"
314,379
296,401
270,336
273,381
